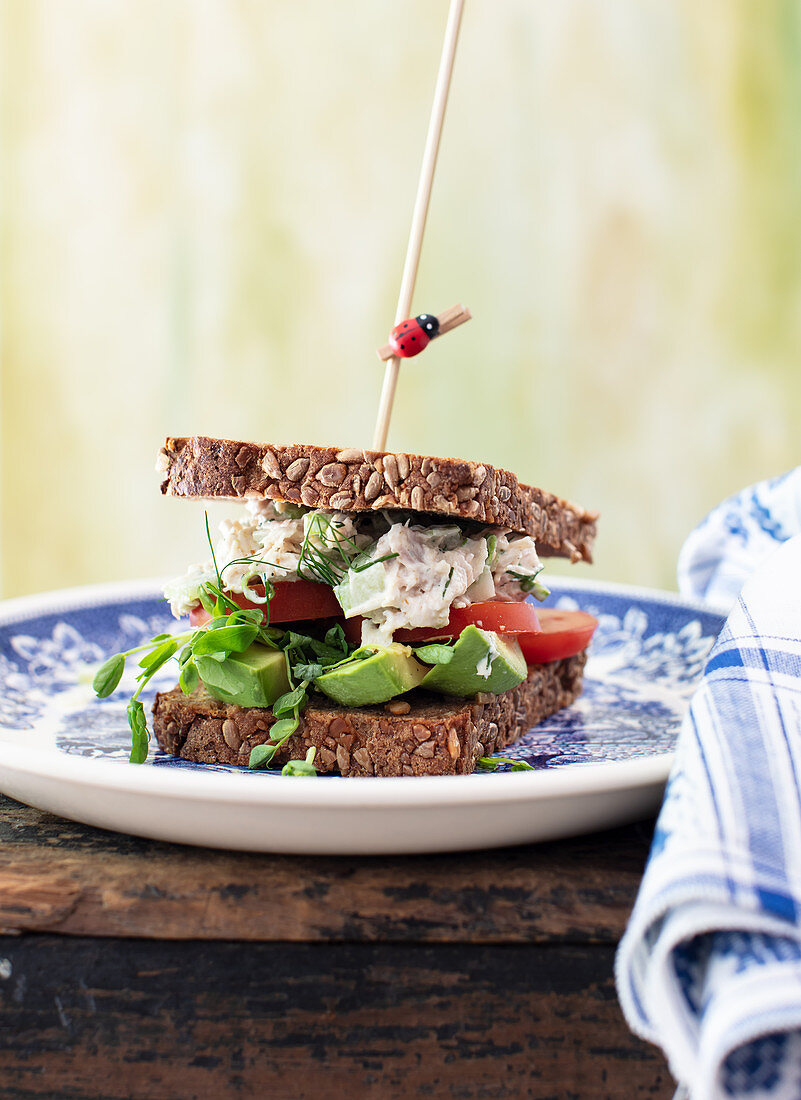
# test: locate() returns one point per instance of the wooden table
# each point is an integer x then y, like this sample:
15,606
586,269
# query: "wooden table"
130,968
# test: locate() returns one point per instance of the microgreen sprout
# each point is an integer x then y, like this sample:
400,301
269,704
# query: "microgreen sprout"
211,548
301,767
230,629
108,676
530,585
491,764
492,542
436,653
287,710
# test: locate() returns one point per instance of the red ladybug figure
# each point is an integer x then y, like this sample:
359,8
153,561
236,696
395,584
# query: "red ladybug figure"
410,337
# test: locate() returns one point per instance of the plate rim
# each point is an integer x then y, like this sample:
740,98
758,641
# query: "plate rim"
352,792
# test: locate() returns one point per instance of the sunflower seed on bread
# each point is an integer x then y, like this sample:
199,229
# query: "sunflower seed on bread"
353,480
436,737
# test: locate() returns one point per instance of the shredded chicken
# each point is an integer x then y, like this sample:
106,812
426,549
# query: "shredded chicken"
425,571
518,554
422,581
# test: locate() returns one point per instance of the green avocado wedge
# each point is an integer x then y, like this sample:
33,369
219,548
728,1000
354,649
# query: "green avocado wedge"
254,678
481,661
388,672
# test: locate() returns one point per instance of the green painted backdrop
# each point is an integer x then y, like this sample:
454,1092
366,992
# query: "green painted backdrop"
205,206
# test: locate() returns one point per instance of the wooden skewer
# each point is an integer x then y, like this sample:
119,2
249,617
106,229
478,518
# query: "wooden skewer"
419,214
451,318
448,319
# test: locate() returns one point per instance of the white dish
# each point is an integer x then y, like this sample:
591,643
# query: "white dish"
602,762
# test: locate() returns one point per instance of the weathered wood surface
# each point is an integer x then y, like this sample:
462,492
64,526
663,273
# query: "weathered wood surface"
193,973
131,1019
57,876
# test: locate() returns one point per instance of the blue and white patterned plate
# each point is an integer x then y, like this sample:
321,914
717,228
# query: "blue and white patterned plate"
600,762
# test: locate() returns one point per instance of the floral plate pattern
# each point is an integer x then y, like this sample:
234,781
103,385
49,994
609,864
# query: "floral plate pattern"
646,658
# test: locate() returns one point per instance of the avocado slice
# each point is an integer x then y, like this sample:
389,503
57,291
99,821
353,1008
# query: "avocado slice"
479,651
254,678
388,672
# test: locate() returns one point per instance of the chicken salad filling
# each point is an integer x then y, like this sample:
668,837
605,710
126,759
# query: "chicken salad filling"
396,570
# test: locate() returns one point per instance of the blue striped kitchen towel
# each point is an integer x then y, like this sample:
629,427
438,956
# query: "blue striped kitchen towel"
723,551
710,965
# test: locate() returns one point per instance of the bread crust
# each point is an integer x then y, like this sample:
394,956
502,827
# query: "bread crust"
439,736
354,480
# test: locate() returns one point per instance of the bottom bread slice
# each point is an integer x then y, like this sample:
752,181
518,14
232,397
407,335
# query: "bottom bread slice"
439,735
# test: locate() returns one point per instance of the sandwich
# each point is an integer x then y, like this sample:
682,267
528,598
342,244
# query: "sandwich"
369,613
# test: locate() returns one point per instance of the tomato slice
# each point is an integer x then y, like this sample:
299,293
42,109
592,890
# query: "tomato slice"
500,616
293,601
563,634
543,633
559,633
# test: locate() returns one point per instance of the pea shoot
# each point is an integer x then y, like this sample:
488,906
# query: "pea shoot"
301,767
530,585
492,763
230,629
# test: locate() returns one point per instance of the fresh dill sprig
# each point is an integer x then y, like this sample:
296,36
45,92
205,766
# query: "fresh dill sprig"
312,559
337,553
373,561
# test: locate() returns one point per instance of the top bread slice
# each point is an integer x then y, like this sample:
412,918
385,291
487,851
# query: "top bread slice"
355,480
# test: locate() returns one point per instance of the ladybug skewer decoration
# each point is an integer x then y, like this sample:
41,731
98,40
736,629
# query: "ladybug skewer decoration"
410,337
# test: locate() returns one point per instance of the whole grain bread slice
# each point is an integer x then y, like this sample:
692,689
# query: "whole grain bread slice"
354,480
438,736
